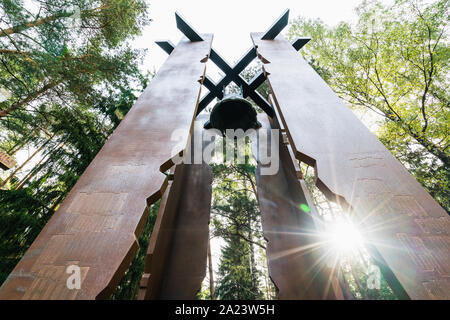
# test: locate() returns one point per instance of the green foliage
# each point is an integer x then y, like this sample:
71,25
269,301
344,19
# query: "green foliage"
72,78
80,135
394,66
68,49
204,294
352,268
236,274
383,293
236,219
428,170
20,224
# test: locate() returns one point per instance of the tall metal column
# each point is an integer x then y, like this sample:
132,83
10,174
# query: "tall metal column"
294,252
177,253
97,226
406,229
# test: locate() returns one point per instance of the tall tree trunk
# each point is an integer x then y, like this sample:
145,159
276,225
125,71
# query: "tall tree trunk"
356,276
268,291
252,258
25,162
420,138
433,149
348,294
31,97
41,21
211,272
30,174
16,147
38,166
35,23
57,202
25,139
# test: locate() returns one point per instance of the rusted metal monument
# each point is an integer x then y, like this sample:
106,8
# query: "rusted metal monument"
97,226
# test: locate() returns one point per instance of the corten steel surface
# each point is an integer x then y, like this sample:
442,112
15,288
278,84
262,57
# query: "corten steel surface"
293,249
98,224
402,223
177,253
6,161
163,222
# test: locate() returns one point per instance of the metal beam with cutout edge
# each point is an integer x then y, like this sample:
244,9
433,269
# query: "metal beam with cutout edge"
233,73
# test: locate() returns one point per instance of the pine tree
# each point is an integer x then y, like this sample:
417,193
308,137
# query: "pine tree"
72,77
236,219
392,67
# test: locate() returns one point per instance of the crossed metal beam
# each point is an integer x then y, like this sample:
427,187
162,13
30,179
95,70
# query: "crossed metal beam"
233,73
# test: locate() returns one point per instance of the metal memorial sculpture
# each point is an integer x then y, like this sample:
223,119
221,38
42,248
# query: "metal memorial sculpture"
97,226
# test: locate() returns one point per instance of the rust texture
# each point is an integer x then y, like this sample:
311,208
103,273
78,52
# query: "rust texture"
97,226
6,161
404,226
293,249
177,253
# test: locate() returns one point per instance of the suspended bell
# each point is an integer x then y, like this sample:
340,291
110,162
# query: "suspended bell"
233,112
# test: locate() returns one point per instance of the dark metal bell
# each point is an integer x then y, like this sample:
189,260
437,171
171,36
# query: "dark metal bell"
233,112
